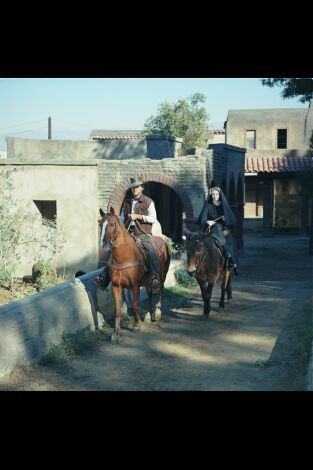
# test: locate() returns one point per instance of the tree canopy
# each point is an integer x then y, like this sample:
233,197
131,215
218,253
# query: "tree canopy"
186,119
292,87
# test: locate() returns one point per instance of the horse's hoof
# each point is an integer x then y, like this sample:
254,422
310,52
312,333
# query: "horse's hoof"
147,318
115,339
136,328
157,315
220,309
205,316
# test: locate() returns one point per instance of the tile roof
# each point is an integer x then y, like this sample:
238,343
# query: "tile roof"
116,137
113,134
217,131
275,164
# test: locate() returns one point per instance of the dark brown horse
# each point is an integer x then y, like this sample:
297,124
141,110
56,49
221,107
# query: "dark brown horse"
205,261
128,268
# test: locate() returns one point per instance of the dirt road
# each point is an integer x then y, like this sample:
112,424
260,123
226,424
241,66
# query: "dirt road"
260,342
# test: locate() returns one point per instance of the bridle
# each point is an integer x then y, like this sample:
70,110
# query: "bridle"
110,240
200,262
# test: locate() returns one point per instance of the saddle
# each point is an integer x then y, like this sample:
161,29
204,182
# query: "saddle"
142,251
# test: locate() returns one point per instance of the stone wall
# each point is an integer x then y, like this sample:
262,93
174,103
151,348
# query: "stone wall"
29,327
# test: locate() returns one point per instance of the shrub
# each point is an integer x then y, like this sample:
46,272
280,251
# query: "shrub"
23,232
183,278
44,274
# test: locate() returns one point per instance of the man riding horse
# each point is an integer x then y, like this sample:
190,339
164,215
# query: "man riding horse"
138,215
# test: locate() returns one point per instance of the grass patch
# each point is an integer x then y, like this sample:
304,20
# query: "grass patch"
177,290
266,363
80,342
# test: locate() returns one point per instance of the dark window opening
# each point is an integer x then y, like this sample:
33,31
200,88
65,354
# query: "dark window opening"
47,209
281,138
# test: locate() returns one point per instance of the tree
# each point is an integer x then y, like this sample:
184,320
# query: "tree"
292,87
23,232
302,88
185,119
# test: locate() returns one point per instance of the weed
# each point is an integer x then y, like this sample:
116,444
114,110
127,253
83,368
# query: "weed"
266,363
82,341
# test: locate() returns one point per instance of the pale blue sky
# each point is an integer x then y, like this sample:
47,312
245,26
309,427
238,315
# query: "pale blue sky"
77,106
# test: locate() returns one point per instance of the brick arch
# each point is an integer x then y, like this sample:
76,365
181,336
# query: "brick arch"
118,194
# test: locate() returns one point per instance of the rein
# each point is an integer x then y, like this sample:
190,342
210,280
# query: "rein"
200,262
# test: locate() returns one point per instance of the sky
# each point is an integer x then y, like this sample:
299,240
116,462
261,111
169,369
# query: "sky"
79,105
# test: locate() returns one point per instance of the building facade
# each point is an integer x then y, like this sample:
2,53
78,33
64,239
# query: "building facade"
72,180
277,155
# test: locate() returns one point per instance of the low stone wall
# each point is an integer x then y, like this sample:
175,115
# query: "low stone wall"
29,327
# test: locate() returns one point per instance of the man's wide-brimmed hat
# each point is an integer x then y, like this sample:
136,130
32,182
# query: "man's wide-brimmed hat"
135,183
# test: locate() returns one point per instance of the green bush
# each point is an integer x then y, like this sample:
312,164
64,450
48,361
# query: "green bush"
44,274
183,278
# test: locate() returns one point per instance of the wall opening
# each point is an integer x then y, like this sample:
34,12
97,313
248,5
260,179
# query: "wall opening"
47,209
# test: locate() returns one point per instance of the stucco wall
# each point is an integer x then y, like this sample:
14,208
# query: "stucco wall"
75,188
76,149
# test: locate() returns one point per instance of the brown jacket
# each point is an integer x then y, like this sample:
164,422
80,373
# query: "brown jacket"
140,208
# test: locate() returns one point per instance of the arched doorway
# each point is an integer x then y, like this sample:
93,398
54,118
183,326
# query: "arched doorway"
168,208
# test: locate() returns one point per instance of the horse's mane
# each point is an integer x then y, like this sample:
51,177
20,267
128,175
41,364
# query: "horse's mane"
208,241
205,239
125,233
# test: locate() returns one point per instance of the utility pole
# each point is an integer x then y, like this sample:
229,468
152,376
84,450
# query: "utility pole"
49,128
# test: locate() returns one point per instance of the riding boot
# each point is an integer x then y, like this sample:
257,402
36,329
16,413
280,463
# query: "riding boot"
103,280
154,279
226,254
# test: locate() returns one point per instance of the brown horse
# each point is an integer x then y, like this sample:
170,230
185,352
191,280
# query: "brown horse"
128,268
205,261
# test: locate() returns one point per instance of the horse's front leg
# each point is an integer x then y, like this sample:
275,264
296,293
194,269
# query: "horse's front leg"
229,289
157,312
223,290
148,315
206,291
135,302
117,295
207,299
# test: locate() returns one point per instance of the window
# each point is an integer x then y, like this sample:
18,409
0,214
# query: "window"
250,139
281,138
47,209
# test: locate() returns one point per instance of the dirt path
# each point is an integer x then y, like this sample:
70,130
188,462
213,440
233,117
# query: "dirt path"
259,343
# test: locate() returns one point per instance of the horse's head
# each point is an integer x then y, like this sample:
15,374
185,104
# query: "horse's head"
194,248
109,225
